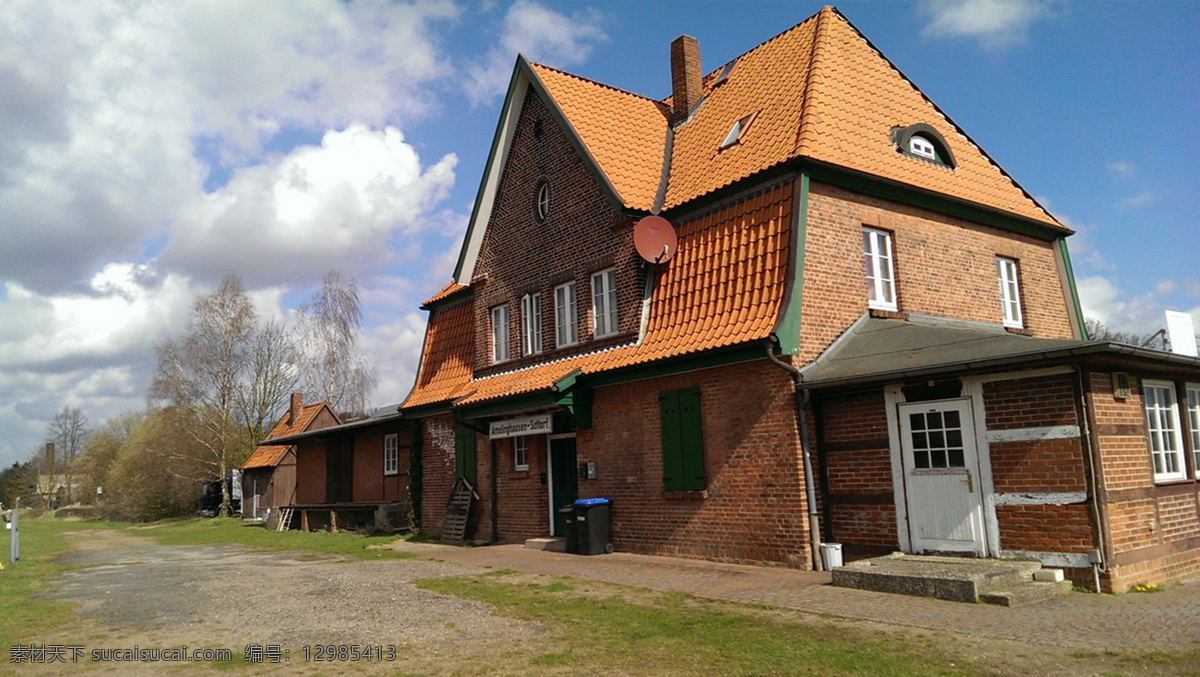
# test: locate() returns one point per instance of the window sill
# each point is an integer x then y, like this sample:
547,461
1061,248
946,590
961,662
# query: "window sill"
1019,330
685,495
886,314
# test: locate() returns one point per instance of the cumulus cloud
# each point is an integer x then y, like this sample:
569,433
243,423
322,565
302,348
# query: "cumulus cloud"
318,208
104,106
1105,300
539,33
994,23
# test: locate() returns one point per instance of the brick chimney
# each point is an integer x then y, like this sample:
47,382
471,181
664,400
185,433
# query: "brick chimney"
50,468
296,408
686,81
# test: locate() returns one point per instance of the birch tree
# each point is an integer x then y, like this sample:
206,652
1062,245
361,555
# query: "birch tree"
200,376
333,368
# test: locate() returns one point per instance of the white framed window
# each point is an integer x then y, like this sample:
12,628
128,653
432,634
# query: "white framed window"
1193,399
877,257
391,454
500,334
520,454
1162,418
1010,292
919,145
566,321
604,303
737,131
531,324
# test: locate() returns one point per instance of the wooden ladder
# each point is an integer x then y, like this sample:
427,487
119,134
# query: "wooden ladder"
454,527
285,519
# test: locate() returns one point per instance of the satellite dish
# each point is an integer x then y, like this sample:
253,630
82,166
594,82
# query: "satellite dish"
655,239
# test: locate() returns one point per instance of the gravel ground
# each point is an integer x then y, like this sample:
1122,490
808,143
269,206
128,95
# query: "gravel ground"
227,596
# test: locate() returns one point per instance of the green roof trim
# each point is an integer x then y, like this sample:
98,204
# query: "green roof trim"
1066,257
787,328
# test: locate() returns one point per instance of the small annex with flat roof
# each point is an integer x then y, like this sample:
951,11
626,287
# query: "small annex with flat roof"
854,277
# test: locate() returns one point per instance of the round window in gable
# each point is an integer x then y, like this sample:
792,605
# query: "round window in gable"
923,142
542,208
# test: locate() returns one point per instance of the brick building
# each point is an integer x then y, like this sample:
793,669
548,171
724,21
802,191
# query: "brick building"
866,332
269,475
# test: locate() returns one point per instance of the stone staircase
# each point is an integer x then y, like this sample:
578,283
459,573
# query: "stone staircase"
958,579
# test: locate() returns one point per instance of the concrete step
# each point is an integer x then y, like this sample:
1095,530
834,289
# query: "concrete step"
1027,593
550,544
958,579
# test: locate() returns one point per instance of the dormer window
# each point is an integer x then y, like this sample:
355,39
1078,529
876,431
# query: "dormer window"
919,145
923,142
542,208
737,131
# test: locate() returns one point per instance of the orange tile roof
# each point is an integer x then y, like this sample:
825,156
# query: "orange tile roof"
625,133
268,456
724,287
449,290
447,356
819,90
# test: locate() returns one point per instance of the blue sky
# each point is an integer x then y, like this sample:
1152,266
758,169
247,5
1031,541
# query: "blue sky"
152,148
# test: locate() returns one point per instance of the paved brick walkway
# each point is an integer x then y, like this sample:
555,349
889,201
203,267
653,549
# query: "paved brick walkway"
1167,620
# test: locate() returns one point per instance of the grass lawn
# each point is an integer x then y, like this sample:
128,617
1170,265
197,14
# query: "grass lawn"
600,631
21,616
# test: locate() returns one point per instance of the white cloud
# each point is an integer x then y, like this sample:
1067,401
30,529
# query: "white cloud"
396,349
540,34
995,23
1143,198
1141,313
1121,169
104,106
316,209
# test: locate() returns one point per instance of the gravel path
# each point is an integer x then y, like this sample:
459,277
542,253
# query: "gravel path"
167,596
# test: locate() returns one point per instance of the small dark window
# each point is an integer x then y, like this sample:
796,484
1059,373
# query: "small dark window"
537,128
542,208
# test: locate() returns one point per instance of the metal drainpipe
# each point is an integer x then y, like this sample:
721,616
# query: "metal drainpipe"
1097,475
814,520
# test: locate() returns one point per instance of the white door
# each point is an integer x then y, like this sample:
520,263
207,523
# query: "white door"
941,477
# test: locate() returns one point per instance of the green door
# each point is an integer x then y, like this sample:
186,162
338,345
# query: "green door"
564,483
464,453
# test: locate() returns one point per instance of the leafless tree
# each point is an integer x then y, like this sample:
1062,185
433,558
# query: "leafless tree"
68,431
200,375
333,368
1098,331
272,376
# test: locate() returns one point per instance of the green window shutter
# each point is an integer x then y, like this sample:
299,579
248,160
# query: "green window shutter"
683,448
672,441
693,444
464,453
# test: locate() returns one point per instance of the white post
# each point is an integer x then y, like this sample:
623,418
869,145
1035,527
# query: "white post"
14,535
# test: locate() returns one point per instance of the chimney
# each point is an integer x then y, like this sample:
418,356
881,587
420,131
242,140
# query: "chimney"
685,75
297,406
50,457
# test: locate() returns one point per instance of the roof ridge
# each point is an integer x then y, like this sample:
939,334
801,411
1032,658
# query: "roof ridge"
811,80
950,121
596,82
760,45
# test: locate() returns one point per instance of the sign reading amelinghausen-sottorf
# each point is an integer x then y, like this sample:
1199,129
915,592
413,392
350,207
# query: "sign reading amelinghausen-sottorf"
518,427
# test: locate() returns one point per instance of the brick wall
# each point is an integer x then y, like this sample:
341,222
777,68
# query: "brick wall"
437,467
933,254
1154,527
755,508
1030,402
310,471
370,484
583,234
854,449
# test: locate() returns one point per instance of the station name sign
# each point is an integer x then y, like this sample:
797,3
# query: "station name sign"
519,427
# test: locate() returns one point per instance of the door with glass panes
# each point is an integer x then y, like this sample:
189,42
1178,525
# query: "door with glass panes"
941,477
